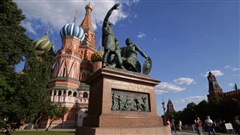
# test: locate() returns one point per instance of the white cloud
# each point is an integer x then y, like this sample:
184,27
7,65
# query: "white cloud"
29,27
58,13
130,2
232,68
141,35
236,69
228,66
214,72
181,81
195,99
165,87
231,84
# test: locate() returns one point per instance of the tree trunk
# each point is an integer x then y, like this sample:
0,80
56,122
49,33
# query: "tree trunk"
36,123
49,124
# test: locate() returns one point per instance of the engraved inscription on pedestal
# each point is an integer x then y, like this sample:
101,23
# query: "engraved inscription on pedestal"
130,101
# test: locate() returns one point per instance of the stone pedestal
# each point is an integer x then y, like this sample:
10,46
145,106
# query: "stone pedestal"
122,102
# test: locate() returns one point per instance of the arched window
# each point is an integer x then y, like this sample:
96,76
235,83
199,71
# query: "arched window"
64,72
69,93
85,95
74,94
59,93
55,92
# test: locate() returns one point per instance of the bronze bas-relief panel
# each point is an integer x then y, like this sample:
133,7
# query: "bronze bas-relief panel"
130,101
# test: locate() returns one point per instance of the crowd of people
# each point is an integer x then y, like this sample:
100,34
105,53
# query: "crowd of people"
207,125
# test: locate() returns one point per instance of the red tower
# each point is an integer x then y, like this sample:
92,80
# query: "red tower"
214,88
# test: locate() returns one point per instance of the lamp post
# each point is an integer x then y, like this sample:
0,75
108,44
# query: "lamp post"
164,115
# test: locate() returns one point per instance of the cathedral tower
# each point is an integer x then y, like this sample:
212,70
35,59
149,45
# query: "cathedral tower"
73,65
88,46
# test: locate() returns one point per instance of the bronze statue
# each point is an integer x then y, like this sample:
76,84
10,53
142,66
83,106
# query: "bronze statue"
109,41
129,56
124,58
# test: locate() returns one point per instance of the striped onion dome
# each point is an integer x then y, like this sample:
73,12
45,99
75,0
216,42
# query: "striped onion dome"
43,44
97,56
72,29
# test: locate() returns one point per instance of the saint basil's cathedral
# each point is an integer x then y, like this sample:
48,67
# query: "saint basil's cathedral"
75,61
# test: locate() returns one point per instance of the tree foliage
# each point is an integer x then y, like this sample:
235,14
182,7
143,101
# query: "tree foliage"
14,47
22,95
55,112
217,108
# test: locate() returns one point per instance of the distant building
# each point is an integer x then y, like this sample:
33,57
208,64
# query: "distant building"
216,90
170,108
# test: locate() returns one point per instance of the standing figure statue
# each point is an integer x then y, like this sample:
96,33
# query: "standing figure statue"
129,56
108,40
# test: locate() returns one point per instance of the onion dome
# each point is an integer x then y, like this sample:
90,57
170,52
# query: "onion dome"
72,29
43,44
97,56
88,6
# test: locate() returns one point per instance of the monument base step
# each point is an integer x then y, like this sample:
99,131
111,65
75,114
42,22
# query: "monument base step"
163,130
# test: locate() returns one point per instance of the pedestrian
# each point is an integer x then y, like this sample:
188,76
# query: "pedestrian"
180,125
209,125
168,123
236,124
173,127
198,124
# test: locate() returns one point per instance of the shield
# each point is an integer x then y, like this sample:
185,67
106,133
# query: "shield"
147,66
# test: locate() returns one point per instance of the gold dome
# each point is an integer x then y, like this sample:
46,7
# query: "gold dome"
97,56
88,6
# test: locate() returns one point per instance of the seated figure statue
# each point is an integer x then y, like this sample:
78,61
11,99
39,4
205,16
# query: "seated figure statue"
129,56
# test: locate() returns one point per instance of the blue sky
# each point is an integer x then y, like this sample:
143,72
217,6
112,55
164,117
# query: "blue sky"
184,38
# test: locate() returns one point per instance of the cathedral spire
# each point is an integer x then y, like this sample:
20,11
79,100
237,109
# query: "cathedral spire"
87,27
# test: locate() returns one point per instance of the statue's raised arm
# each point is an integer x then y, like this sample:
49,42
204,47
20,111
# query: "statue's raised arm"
115,7
108,40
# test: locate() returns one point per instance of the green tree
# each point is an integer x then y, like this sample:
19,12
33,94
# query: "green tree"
55,112
14,47
22,95
31,87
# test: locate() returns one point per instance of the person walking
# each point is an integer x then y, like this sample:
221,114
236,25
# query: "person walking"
173,127
198,124
209,124
236,124
180,125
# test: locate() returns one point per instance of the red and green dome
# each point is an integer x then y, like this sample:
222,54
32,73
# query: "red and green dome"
43,44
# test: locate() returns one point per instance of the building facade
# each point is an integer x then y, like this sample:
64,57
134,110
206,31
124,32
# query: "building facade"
216,90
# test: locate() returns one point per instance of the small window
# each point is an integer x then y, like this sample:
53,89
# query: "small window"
74,94
85,95
59,93
69,93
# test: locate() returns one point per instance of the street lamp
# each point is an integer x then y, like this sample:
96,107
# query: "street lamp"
164,115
